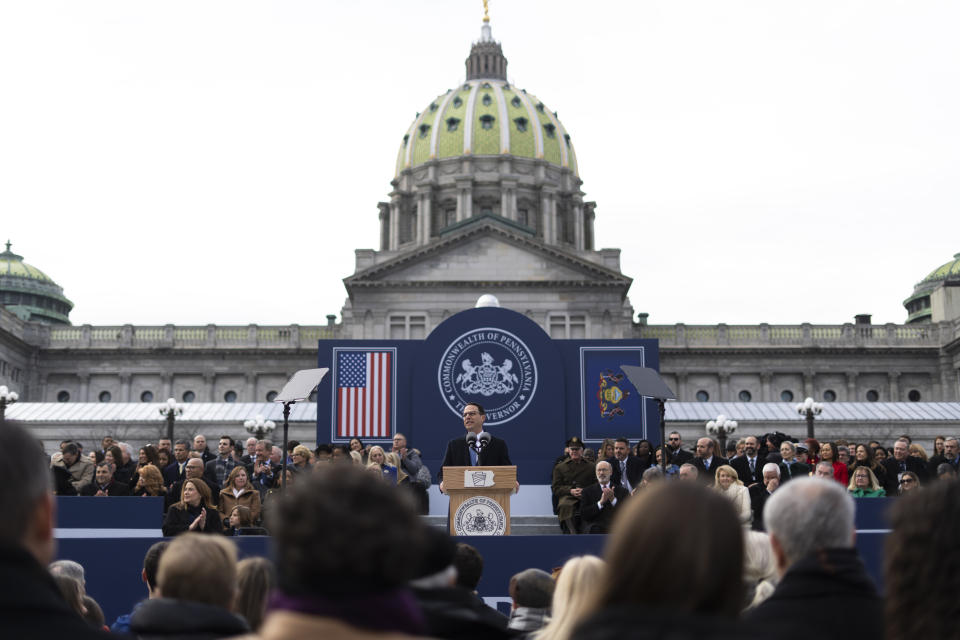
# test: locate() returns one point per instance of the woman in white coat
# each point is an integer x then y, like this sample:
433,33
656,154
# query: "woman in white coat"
728,483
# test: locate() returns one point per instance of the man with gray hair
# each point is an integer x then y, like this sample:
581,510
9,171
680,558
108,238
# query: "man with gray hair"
810,522
531,592
760,493
70,569
687,472
30,602
599,502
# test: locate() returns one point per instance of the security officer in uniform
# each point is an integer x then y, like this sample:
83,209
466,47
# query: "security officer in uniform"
569,479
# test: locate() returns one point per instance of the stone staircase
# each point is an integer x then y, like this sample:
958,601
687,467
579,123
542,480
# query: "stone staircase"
519,525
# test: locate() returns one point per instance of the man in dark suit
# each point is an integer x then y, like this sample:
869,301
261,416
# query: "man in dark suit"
902,461
176,471
749,466
706,461
194,471
627,469
677,454
104,485
459,454
790,468
599,502
761,492
951,455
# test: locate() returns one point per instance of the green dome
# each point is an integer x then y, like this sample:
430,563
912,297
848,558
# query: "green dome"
30,293
947,271
486,117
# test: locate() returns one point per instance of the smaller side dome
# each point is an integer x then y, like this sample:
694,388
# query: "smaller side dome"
30,293
920,306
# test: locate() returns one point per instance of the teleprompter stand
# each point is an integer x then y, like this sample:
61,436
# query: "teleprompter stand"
297,389
649,384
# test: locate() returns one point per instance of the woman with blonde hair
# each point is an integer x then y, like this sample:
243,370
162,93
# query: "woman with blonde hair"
195,511
605,452
238,492
356,458
393,460
727,483
863,484
578,578
149,482
917,451
759,568
378,456
256,578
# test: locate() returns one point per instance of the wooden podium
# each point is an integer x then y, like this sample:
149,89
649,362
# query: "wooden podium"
479,499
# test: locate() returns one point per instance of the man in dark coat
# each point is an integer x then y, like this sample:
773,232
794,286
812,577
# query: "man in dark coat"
760,493
790,468
749,466
678,455
811,527
194,471
707,460
31,605
459,454
176,470
901,461
626,468
104,485
599,502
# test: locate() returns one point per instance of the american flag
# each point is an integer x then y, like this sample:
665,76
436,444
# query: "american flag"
363,394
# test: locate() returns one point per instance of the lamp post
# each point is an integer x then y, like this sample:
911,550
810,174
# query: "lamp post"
170,412
7,398
809,409
721,427
259,427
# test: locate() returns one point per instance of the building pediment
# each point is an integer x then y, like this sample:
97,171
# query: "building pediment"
489,251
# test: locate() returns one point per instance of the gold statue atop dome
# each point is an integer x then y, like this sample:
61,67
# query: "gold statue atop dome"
486,11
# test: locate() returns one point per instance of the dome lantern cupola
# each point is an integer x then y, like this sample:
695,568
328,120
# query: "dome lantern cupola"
486,59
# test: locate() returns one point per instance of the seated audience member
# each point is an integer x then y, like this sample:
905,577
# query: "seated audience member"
301,457
393,460
113,457
707,459
148,574
947,451
323,454
917,451
194,471
880,454
945,471
104,484
272,499
149,482
919,576
863,457
590,455
789,467
195,511
650,590
600,501
127,467
644,453
843,454
760,493
813,451
238,492
759,568
256,578
197,579
148,455
330,590
579,580
828,454
357,445
531,592
81,470
902,461
604,453
569,479
469,565
728,484
72,592
217,470
671,471
70,568
356,458
810,522
93,614
240,523
688,472
377,455
163,459
863,484
908,482
451,611
31,605
626,468
341,454
651,476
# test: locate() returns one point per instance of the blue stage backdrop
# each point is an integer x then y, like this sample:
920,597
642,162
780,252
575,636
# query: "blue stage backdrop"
537,392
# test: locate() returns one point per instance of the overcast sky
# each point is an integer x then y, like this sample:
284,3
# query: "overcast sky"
218,162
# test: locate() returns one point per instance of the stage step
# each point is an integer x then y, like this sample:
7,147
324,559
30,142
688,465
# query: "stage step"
519,525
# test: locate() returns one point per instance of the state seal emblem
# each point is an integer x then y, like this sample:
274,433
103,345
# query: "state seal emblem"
480,516
490,366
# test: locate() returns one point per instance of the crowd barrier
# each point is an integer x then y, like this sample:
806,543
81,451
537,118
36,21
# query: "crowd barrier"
109,537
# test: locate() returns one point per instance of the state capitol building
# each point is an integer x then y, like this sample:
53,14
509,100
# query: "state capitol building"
487,199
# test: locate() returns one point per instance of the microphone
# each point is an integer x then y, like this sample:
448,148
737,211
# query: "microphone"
483,439
472,440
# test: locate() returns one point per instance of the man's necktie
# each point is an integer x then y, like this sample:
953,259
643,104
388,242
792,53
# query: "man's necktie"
473,457
753,465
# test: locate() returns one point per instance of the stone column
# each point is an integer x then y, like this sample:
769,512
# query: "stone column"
167,382
424,213
724,386
851,386
894,377
578,225
394,223
807,384
508,199
548,215
464,198
384,226
209,380
84,395
125,379
766,378
250,390
682,386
